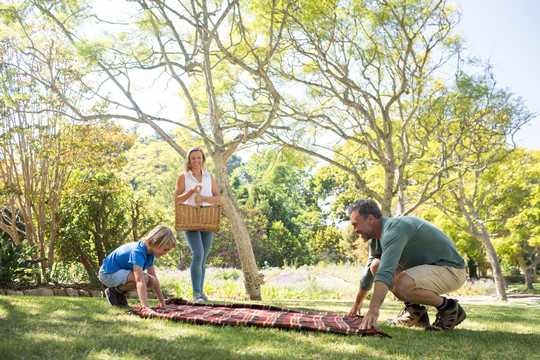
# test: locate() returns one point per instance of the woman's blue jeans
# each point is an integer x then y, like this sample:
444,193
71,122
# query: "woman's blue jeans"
200,243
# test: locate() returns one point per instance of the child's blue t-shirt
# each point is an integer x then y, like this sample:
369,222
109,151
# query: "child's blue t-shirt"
126,256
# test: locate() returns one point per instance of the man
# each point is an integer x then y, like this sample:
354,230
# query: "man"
413,259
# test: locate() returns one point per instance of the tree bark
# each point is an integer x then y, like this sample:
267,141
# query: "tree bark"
495,267
527,273
240,231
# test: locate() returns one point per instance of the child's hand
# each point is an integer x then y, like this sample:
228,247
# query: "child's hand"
147,309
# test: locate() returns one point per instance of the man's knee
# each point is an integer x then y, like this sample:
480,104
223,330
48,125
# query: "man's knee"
402,285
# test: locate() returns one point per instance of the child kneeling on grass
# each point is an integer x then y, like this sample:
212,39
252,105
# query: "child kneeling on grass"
123,270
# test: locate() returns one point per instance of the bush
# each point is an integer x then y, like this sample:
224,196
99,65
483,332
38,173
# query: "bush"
16,263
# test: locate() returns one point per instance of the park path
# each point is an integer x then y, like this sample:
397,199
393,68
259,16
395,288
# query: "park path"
513,298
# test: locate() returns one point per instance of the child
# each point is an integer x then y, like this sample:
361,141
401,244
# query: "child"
123,269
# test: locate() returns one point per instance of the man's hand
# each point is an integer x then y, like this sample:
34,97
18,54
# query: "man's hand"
370,320
356,309
360,296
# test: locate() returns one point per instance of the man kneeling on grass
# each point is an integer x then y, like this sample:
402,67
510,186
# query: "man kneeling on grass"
123,270
415,261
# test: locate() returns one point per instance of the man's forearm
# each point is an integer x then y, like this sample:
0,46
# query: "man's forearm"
361,295
380,290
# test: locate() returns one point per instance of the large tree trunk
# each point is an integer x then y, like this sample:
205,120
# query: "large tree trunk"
495,266
527,273
240,231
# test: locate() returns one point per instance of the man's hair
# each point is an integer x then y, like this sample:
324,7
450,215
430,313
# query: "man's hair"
160,237
365,207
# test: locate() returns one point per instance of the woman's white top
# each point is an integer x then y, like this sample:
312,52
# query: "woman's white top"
206,184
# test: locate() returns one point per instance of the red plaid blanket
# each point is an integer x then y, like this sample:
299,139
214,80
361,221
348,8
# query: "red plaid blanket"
256,315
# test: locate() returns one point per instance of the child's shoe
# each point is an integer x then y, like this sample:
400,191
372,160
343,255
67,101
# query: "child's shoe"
121,297
110,294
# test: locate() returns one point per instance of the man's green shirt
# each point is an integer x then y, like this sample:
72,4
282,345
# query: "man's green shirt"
406,242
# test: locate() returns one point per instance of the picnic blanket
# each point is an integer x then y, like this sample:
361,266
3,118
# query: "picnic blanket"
256,315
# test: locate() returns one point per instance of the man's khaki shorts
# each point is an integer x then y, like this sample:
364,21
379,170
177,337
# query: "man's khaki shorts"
439,279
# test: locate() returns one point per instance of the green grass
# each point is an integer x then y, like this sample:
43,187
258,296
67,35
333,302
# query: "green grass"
522,288
86,328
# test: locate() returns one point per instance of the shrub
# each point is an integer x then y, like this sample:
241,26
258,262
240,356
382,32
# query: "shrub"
16,263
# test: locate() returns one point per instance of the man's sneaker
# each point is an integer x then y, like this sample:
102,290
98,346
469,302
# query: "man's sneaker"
413,315
197,297
110,294
448,319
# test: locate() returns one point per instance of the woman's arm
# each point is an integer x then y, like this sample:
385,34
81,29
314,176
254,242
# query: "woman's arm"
180,193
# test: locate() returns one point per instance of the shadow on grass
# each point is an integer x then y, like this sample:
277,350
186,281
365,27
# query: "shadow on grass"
52,328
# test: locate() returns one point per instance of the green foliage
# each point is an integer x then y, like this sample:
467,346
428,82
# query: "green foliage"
108,213
281,247
336,189
152,166
515,200
18,263
326,243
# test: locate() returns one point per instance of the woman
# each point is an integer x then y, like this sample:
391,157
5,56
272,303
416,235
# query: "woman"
194,179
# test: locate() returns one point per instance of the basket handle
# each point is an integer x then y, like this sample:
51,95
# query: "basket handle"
198,196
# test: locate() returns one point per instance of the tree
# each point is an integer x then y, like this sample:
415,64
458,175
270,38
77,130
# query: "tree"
281,247
107,214
327,244
364,79
41,148
277,184
190,44
152,167
516,202
495,115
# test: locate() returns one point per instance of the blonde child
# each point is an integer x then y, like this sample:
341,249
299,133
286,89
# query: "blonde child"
123,270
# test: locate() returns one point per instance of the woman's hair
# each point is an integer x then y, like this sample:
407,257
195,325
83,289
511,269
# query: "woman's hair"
187,165
160,237
365,207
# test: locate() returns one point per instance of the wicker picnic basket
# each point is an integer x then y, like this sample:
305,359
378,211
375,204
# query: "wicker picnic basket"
197,218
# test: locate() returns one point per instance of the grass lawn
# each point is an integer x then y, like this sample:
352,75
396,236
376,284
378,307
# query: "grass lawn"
86,328
523,288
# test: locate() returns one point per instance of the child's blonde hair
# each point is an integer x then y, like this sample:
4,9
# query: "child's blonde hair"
187,164
160,237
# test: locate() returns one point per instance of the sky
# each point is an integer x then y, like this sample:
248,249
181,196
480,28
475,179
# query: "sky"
507,33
